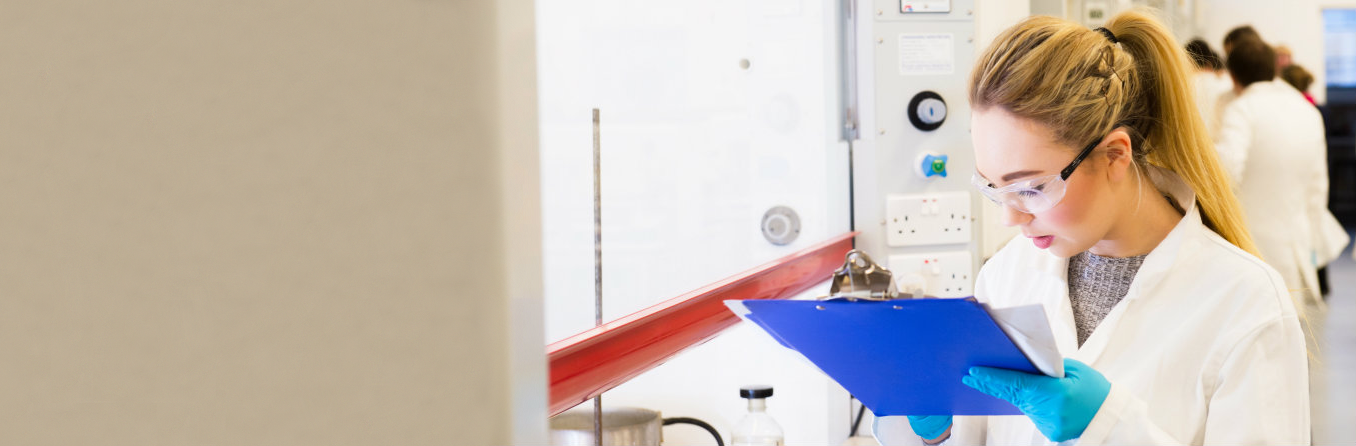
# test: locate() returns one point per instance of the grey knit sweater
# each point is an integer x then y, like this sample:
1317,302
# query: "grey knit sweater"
1096,284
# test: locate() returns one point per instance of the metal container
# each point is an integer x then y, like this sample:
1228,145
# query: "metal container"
621,426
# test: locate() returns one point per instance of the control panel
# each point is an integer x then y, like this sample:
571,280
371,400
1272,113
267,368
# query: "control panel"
913,180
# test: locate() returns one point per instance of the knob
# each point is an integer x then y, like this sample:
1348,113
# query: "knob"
932,111
927,111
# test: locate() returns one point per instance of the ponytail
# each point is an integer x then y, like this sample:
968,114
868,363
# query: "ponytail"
1174,134
1079,82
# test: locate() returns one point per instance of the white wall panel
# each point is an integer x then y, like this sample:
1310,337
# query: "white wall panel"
695,148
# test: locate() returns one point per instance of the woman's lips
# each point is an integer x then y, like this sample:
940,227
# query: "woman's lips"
1044,241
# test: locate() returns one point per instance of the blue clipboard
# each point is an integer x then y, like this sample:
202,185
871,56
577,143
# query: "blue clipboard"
902,357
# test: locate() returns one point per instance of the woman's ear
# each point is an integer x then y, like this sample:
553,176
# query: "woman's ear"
1119,154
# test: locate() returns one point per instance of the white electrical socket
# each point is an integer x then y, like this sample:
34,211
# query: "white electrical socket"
936,274
928,219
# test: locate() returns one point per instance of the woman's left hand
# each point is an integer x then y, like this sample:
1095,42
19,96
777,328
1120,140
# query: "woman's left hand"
1060,407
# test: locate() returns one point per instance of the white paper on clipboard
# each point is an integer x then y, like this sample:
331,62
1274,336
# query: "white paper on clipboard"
1028,328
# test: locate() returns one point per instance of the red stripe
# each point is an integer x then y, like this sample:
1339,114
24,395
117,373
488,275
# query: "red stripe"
587,364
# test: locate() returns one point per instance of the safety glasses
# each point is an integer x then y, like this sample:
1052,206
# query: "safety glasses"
1033,195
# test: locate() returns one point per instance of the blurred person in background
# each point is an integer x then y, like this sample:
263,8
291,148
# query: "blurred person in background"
1299,78
1244,33
1284,58
1272,143
1329,237
1239,34
1210,80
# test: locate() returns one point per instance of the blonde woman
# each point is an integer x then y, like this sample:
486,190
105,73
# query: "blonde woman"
1174,332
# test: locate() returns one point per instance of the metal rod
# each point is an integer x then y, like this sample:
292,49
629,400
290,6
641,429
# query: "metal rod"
598,420
847,69
852,192
847,93
597,221
597,259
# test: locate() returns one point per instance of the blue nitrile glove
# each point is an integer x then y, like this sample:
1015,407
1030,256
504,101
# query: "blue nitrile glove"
929,426
1060,407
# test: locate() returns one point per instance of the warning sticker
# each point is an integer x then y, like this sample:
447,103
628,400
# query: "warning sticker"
927,54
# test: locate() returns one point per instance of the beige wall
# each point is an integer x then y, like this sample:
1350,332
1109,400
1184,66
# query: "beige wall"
267,222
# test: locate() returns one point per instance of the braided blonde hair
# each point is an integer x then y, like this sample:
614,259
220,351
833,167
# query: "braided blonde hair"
1080,83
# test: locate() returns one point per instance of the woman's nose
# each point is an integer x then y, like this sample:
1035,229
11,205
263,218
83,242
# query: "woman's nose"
1013,217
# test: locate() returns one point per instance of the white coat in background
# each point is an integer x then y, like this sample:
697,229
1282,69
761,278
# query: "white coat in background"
1205,348
1212,90
1330,238
1272,143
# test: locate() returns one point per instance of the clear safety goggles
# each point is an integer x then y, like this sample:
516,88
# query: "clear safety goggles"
1033,195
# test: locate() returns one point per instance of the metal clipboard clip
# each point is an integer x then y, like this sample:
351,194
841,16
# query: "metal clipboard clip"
860,278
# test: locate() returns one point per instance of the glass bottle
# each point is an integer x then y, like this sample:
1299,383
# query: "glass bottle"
757,428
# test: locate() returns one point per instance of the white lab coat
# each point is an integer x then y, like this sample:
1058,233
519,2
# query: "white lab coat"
1205,348
1210,90
1330,238
1272,143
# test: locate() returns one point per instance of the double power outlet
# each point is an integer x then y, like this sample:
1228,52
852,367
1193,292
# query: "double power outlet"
934,274
943,218
928,219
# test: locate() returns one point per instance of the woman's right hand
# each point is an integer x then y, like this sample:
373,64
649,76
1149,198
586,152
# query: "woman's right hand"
933,428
